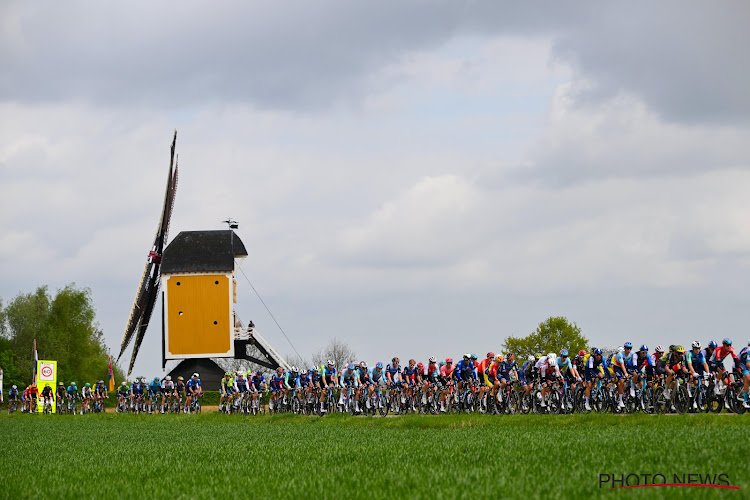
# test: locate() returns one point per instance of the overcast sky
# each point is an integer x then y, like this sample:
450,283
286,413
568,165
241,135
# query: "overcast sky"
415,177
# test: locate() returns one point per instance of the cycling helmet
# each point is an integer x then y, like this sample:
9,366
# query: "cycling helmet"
509,355
467,356
16,387
433,359
329,362
538,355
659,348
672,348
73,384
695,344
412,362
581,353
227,374
295,370
597,351
124,382
395,360
259,372
644,348
363,365
628,345
552,361
531,358
552,355
490,354
442,363
420,366
379,366
59,383
727,341
499,358
474,356
712,344
100,381
279,370
679,349
169,378
87,384
195,375
180,378
351,366
563,353
315,369
448,361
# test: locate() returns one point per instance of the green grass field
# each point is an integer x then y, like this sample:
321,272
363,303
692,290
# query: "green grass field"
213,455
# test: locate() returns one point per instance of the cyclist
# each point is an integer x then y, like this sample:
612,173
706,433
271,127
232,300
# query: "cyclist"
257,384
330,381
717,360
620,370
393,372
488,380
745,370
708,353
527,376
136,391
291,382
179,390
277,387
364,379
13,395
60,394
548,373
596,368
674,365
697,365
226,388
350,379
154,388
86,395
193,388
100,393
167,390
409,377
507,367
569,372
71,392
376,378
446,378
47,394
123,392
465,371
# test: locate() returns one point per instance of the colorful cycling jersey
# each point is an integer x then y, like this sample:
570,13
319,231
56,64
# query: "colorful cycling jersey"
364,376
100,389
277,381
446,373
328,374
672,360
240,382
154,387
291,380
394,372
527,369
621,358
193,385
180,386
465,370
506,367
72,390
722,352
257,381
564,365
86,392
433,372
409,374
484,365
377,375
594,365
13,394
167,386
226,385
696,360
60,391
743,358
123,390
47,392
316,378
349,377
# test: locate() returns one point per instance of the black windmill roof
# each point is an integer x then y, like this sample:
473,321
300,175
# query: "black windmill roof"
202,251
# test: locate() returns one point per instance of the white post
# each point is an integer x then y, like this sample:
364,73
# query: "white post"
1,384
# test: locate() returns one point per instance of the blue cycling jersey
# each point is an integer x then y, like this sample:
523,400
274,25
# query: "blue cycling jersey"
465,370
193,383
506,367
377,375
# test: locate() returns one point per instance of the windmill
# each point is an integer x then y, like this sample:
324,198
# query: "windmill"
196,275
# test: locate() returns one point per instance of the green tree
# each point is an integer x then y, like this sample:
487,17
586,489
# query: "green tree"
551,335
65,330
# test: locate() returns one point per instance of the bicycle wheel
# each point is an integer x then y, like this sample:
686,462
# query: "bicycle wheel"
661,404
681,400
736,398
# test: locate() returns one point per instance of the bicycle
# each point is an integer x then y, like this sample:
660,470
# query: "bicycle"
47,406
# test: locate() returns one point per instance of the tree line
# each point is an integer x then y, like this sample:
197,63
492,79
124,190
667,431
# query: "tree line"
65,328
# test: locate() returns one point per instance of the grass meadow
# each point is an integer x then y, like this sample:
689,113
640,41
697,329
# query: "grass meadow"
454,456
